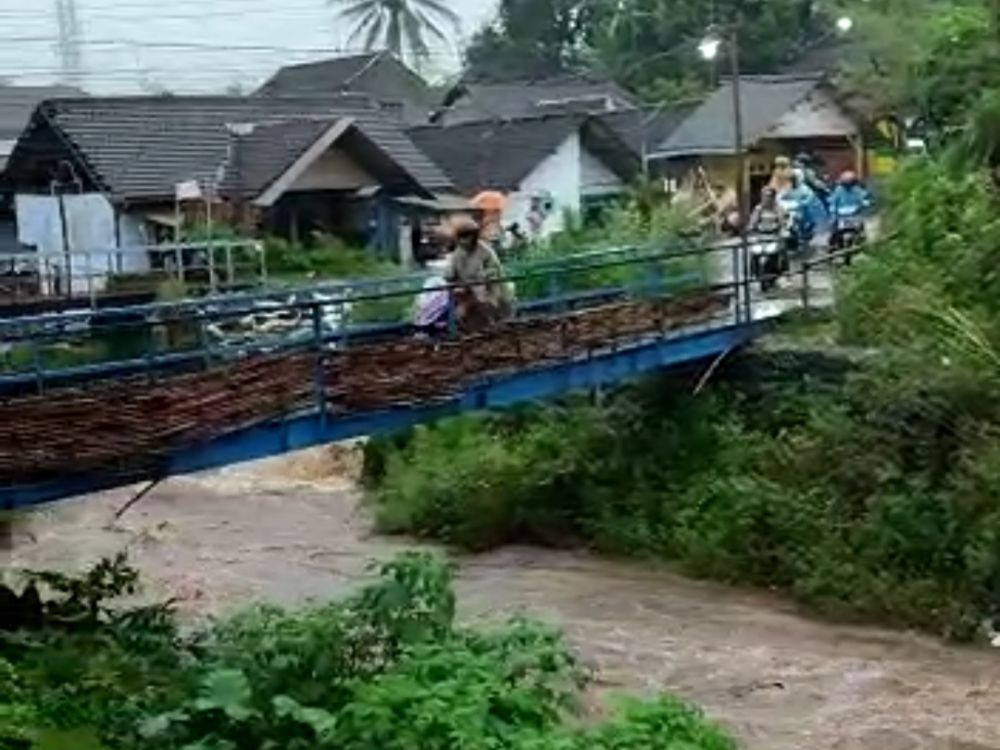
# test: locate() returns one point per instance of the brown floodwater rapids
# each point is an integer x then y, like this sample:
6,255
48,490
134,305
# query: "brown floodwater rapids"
291,530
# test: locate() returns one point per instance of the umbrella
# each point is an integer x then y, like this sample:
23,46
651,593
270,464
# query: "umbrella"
490,200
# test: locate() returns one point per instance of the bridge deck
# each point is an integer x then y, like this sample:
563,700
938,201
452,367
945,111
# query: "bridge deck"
119,426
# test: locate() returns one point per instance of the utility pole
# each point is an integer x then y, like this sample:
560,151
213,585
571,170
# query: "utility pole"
70,56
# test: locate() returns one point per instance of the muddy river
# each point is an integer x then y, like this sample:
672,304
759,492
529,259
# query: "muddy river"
289,531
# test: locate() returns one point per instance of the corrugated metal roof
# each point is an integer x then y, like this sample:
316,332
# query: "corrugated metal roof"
763,100
140,147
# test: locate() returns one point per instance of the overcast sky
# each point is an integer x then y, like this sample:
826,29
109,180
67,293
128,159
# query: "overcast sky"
130,46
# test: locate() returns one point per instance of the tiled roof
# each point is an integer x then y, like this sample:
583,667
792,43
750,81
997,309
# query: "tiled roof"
323,76
259,156
763,99
498,155
507,101
643,130
493,155
140,147
378,74
18,102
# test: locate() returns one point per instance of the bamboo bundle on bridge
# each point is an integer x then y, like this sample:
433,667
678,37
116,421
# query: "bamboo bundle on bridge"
130,426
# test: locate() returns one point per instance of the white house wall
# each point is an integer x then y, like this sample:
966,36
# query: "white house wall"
565,177
557,178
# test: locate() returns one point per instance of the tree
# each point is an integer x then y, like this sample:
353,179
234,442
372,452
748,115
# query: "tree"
647,45
401,26
928,60
532,39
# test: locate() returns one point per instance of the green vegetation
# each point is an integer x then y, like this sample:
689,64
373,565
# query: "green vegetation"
384,668
875,493
327,258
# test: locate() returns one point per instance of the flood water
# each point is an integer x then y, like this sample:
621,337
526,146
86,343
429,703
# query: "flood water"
289,531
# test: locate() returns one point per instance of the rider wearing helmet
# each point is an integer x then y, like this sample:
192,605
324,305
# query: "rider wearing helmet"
850,193
768,216
848,206
474,265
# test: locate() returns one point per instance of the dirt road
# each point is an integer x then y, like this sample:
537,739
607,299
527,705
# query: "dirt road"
779,680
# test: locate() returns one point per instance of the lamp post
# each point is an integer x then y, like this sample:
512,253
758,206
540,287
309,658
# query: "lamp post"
709,48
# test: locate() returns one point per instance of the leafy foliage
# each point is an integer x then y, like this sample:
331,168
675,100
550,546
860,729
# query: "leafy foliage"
400,26
872,494
386,667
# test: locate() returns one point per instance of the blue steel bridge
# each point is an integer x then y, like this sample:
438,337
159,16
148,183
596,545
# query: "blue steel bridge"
96,399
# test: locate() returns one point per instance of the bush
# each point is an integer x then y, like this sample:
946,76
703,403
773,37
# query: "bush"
384,668
326,258
870,493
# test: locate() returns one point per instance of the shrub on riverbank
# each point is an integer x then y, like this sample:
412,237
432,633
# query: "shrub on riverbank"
387,668
878,495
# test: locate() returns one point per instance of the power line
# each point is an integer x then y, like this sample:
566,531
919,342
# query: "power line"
202,46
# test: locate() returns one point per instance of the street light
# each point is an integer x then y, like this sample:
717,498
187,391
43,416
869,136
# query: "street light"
709,48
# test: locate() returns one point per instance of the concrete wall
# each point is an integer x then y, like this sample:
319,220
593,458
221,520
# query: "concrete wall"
334,170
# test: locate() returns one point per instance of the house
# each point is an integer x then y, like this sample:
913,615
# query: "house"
782,114
471,101
16,105
380,75
292,165
546,165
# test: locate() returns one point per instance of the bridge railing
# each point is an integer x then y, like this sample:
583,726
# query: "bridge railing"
53,347
42,351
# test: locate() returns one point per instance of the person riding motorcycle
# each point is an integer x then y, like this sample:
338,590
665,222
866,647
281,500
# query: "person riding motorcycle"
805,210
811,176
482,296
768,221
848,205
768,217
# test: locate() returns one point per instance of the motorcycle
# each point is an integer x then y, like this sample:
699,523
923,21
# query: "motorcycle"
768,259
848,229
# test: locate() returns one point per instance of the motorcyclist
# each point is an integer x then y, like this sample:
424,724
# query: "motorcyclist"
850,193
806,212
768,256
849,203
811,176
483,296
768,216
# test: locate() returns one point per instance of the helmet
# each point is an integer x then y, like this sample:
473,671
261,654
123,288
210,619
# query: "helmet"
848,177
463,226
782,162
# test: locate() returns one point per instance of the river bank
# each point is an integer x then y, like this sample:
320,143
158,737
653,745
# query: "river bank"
291,530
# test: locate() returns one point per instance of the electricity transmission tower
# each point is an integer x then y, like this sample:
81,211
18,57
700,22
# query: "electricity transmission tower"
70,57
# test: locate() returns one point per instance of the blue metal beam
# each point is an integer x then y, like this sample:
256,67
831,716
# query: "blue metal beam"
306,430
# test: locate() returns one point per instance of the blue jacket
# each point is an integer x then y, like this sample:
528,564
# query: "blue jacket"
855,199
806,207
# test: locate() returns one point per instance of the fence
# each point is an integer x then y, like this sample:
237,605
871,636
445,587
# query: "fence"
93,277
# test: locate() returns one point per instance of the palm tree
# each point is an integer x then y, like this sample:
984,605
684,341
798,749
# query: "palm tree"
400,26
